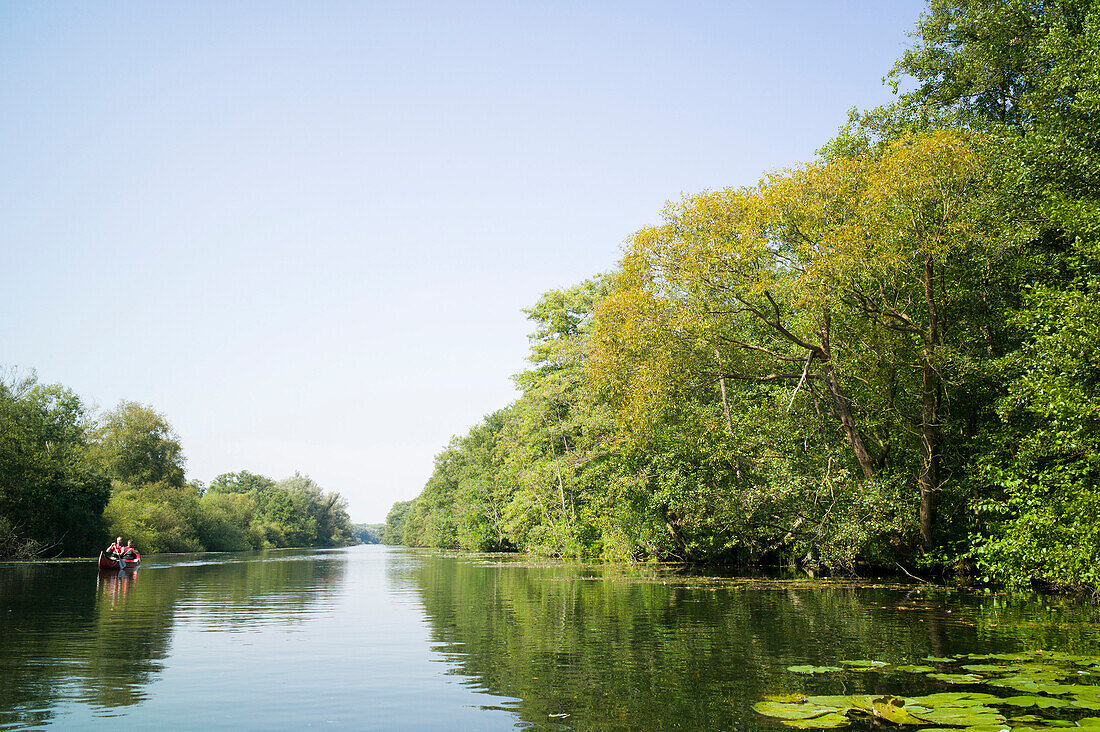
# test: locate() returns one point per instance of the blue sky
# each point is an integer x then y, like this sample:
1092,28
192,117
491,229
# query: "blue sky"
305,231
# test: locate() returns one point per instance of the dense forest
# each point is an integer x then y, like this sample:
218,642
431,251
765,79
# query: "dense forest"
886,356
71,480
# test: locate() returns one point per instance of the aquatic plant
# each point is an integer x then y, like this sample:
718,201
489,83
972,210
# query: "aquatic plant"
1058,683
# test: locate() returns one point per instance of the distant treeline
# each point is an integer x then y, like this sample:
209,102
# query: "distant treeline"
70,482
889,355
367,533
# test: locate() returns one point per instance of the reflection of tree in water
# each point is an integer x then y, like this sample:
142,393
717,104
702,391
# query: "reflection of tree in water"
68,634
620,648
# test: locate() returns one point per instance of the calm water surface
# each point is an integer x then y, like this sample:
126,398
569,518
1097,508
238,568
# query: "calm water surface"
384,638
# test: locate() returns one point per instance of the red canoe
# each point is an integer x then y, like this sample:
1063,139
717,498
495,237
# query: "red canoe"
106,562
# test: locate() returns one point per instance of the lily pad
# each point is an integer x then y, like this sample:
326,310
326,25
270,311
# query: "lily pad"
914,669
1058,689
813,669
1090,704
892,709
956,709
1042,702
1068,657
825,721
959,716
1016,683
955,699
938,659
957,678
864,663
786,698
796,710
1047,723
1038,667
988,668
1092,722
842,703
862,702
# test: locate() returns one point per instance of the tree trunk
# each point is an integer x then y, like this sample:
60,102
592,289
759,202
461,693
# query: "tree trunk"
930,446
840,401
929,456
848,422
722,386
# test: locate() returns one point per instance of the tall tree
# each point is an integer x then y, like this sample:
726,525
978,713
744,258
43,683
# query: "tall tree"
51,497
1029,72
134,444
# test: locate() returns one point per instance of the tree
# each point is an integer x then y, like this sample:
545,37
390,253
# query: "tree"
51,498
910,263
393,533
134,444
551,445
1030,75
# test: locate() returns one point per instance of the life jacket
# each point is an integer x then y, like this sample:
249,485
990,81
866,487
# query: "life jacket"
116,548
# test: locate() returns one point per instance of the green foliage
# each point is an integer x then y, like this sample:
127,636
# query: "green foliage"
158,517
393,533
529,477
135,444
367,533
1029,73
56,496
1043,516
225,523
888,354
51,496
239,511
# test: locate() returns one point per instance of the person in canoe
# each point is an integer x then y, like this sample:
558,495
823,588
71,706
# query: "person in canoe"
129,552
116,550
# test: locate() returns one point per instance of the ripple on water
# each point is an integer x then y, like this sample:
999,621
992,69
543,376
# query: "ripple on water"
386,638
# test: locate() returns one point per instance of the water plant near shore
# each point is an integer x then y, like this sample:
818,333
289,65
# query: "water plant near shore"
1062,685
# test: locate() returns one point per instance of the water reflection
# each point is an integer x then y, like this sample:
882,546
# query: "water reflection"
111,585
614,648
70,635
377,638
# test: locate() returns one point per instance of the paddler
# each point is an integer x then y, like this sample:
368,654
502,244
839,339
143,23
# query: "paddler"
115,550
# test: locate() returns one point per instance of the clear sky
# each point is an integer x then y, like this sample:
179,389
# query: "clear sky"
305,232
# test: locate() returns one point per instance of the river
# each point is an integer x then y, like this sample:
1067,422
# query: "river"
374,637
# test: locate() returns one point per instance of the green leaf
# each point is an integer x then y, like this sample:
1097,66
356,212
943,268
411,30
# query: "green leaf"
955,699
795,710
826,721
967,716
1042,702
957,678
991,668
813,669
892,709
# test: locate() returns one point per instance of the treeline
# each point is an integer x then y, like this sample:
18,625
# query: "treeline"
70,481
367,533
888,355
